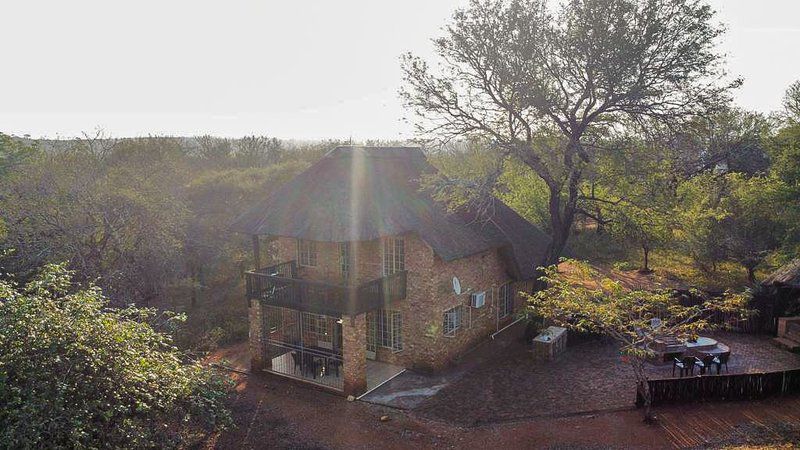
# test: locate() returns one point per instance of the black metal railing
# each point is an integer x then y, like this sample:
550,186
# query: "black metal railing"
317,366
277,285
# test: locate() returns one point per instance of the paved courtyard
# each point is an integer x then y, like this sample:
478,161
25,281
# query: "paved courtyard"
502,382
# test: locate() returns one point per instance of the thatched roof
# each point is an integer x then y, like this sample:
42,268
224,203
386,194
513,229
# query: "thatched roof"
363,193
788,275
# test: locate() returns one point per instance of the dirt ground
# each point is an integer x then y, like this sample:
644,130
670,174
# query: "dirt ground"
277,413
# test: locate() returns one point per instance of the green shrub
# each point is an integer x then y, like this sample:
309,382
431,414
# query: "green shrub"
77,374
624,266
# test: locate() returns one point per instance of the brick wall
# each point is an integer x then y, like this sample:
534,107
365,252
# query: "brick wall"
256,339
366,262
354,345
429,295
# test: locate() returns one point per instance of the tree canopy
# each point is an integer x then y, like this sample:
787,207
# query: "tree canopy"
545,86
585,302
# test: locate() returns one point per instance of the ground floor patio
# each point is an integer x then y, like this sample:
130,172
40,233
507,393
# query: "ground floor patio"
377,373
237,357
502,382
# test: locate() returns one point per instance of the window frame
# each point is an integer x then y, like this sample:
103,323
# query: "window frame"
389,329
317,325
451,326
306,253
393,255
345,260
505,307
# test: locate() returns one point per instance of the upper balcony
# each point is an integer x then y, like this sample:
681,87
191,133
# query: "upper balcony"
278,285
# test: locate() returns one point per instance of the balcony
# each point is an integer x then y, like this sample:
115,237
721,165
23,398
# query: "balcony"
278,285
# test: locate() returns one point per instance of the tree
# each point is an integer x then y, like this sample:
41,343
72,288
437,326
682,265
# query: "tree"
633,194
729,140
752,228
645,226
258,151
733,217
76,374
544,87
634,318
115,213
12,153
791,101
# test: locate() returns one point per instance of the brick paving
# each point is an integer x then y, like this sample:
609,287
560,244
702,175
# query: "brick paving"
588,377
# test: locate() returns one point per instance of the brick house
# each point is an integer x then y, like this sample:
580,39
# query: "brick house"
364,271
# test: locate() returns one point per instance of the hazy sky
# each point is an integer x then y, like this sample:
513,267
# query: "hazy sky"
300,69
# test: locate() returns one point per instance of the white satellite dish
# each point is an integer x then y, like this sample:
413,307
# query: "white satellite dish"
655,323
456,286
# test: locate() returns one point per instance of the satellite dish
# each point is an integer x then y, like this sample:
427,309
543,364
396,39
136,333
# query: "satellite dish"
655,323
456,286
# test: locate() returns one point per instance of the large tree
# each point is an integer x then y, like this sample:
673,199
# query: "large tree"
581,299
545,84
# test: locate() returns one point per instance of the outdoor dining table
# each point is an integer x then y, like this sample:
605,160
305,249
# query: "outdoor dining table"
717,350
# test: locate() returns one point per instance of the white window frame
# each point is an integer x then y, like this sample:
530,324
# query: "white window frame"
306,253
318,325
393,255
345,260
505,304
389,329
453,320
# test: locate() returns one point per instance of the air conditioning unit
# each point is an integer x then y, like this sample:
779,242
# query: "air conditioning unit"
478,300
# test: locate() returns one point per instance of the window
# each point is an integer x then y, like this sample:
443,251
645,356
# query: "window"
388,329
306,253
453,320
344,259
394,255
506,301
316,329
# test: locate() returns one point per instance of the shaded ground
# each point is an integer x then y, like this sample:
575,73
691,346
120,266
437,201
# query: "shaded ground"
410,389
498,396
589,377
270,412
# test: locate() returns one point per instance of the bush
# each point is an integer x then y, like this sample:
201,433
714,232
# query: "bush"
624,266
76,374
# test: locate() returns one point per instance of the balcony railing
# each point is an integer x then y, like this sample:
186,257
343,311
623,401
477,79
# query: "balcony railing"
277,285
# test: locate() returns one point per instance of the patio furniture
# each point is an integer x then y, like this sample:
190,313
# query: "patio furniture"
700,365
682,367
332,363
688,362
309,365
298,362
709,361
720,360
672,356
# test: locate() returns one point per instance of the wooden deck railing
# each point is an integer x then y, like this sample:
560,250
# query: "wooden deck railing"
278,286
740,386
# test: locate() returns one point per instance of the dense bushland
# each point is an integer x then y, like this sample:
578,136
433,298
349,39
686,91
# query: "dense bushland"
77,374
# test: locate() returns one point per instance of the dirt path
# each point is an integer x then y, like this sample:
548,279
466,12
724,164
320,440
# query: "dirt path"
275,413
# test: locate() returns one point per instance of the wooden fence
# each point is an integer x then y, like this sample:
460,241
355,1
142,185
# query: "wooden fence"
745,386
764,320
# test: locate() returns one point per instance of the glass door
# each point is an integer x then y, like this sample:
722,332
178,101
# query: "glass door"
371,332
